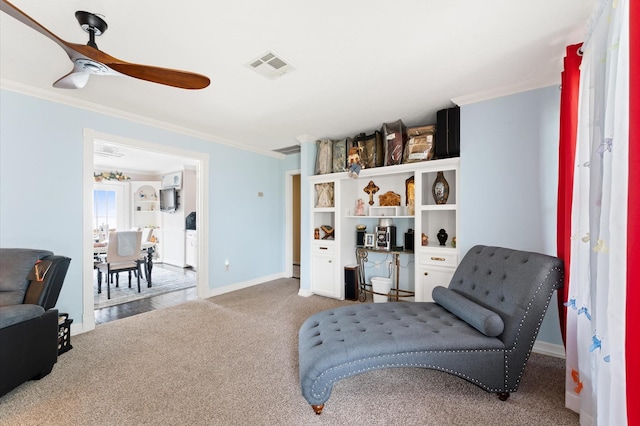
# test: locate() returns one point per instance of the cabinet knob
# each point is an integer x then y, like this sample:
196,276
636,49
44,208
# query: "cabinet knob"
426,273
330,261
440,259
323,248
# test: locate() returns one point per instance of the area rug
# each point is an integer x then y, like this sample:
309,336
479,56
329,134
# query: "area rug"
164,281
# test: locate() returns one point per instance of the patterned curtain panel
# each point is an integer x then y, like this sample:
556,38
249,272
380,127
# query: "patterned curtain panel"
633,223
595,343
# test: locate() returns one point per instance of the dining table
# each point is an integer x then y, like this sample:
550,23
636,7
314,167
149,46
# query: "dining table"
147,247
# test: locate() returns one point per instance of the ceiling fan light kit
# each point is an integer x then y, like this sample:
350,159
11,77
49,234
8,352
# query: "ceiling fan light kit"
88,59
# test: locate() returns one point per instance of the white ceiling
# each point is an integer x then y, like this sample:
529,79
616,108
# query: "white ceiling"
135,160
359,63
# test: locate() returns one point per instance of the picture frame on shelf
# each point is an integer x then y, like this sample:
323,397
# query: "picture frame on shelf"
410,190
324,195
369,240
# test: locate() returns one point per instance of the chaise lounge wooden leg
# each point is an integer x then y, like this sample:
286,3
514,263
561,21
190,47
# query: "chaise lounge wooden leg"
317,408
503,396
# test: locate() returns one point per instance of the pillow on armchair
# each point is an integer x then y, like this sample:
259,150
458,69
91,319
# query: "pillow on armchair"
15,266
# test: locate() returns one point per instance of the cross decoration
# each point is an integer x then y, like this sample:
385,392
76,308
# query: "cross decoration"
371,189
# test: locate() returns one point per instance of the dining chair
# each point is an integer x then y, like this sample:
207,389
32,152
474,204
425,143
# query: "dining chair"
123,255
146,234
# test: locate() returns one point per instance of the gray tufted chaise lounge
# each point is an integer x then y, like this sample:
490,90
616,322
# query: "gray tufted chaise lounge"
481,328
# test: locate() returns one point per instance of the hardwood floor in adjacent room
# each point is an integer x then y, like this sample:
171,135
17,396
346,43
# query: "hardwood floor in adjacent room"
136,307
124,310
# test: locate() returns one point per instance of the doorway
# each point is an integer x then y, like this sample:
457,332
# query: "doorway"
200,162
293,224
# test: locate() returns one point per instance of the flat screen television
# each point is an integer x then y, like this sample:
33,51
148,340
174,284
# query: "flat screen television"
169,200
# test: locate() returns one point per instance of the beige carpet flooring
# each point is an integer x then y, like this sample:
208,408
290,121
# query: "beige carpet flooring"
232,360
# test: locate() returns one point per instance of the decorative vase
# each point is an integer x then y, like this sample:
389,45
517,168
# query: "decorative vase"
440,189
442,237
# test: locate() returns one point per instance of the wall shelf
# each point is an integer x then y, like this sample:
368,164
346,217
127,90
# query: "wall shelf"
414,183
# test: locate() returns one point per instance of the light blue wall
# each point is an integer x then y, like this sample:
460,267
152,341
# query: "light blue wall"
509,169
292,162
41,191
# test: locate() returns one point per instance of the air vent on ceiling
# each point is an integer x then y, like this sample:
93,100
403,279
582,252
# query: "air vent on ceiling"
288,150
105,150
270,65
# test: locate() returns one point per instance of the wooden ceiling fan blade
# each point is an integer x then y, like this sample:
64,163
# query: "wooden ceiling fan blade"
89,60
18,14
76,79
166,76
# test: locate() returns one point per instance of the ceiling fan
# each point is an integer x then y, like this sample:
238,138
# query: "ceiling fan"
87,59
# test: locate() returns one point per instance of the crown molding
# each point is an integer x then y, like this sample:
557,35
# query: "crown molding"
60,98
306,138
511,89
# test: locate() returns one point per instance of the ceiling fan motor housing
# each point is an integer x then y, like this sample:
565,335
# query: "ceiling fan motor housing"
93,24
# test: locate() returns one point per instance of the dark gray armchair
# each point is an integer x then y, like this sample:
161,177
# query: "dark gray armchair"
481,328
28,322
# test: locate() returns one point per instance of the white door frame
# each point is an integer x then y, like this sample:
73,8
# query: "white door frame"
202,219
288,253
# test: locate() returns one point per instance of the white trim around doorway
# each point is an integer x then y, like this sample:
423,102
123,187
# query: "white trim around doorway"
202,172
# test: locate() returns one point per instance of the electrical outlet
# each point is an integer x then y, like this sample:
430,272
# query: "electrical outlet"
226,265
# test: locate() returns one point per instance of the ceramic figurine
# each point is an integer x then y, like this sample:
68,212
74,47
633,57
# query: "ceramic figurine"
442,237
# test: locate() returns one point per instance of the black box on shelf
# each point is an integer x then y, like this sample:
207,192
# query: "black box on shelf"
408,240
64,333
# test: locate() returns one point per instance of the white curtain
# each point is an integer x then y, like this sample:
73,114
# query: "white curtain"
596,385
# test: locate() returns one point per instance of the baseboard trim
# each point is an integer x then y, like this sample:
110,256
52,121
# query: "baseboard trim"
79,327
305,292
550,349
239,286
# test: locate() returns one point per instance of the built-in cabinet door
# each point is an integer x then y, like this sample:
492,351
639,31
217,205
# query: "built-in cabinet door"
431,277
324,266
191,249
324,276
